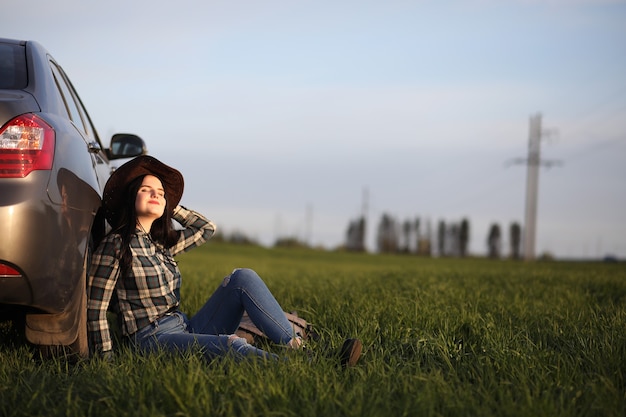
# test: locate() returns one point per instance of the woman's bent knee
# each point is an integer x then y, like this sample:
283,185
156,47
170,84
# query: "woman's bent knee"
242,277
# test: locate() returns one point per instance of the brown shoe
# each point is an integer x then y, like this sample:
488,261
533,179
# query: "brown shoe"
350,352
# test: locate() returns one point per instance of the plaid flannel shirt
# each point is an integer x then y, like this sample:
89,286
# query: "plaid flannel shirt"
152,286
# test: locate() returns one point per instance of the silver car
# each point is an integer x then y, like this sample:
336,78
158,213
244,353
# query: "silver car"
53,168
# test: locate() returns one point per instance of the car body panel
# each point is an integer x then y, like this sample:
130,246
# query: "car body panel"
28,228
14,102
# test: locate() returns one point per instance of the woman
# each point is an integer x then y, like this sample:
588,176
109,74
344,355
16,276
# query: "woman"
134,272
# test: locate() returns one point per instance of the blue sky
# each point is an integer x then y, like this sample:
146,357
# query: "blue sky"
276,109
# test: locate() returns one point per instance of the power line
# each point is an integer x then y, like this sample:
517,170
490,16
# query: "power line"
617,93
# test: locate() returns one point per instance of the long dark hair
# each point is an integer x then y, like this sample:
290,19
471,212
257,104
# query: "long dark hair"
162,233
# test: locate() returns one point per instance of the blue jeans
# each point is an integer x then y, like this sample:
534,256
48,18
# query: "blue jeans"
210,328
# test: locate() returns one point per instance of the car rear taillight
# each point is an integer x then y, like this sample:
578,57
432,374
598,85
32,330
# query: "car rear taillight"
26,144
8,272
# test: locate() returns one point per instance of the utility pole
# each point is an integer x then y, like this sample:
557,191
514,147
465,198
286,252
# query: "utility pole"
533,162
532,185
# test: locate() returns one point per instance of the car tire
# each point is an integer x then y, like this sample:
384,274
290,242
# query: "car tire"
79,348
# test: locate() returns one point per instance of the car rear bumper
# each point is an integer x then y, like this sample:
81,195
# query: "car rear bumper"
47,243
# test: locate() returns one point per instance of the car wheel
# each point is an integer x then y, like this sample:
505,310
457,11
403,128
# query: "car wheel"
80,345
79,348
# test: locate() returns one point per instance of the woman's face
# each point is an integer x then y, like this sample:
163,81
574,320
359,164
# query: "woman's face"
150,200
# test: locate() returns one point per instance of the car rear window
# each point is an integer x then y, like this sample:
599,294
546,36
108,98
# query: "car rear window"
12,67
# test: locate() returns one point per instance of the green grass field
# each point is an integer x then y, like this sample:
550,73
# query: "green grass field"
442,337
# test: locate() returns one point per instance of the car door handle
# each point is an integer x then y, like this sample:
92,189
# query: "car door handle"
94,147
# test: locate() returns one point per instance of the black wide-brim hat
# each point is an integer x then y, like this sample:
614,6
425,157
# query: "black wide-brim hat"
115,188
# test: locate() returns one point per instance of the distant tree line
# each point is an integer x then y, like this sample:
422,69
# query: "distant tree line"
236,237
413,237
